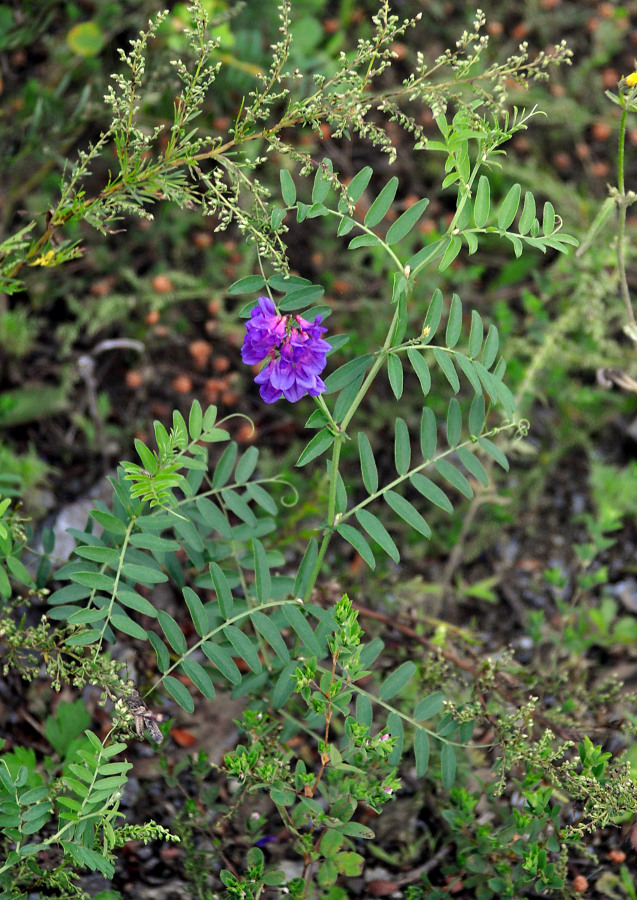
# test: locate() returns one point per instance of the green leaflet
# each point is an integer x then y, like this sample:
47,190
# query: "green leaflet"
405,222
397,680
482,202
381,205
377,531
402,446
369,470
355,538
179,693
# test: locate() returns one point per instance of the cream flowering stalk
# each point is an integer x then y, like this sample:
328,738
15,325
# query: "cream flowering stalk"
291,347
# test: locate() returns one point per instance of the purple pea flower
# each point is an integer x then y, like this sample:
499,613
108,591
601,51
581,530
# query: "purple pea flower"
292,348
265,330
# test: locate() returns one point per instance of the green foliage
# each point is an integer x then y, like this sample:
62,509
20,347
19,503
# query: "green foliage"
208,523
80,805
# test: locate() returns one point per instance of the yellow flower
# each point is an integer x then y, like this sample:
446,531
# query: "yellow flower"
48,259
631,79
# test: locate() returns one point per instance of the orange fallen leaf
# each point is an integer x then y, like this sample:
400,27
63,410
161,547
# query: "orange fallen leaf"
182,737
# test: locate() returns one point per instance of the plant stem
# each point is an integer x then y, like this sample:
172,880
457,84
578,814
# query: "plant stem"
621,228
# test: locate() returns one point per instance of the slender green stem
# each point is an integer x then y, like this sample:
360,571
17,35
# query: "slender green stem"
621,228
331,517
107,617
371,375
336,451
621,151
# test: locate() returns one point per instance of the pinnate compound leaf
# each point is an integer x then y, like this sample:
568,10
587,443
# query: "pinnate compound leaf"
153,542
266,627
380,207
124,623
447,368
402,446
429,706
347,373
364,713
528,213
509,207
448,765
369,470
482,202
428,433
187,531
213,517
284,685
395,728
355,538
318,445
301,298
288,188
174,634
426,254
195,421
397,680
432,319
420,367
161,651
224,594
364,240
477,413
421,751
238,506
108,555
405,222
494,452
476,334
109,522
518,246
321,186
244,647
246,285
197,611
345,226
305,569
454,322
407,511
199,677
377,531
246,465
453,249
454,423
395,373
261,497
224,467
179,693
431,491
359,182
220,658
454,477
263,581
548,218
491,347
473,465
144,574
302,628
472,241
469,372
99,581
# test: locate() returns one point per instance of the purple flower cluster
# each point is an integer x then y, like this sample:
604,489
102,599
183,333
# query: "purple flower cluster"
293,349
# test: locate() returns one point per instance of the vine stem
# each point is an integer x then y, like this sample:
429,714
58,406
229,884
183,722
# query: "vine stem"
621,227
336,453
460,663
